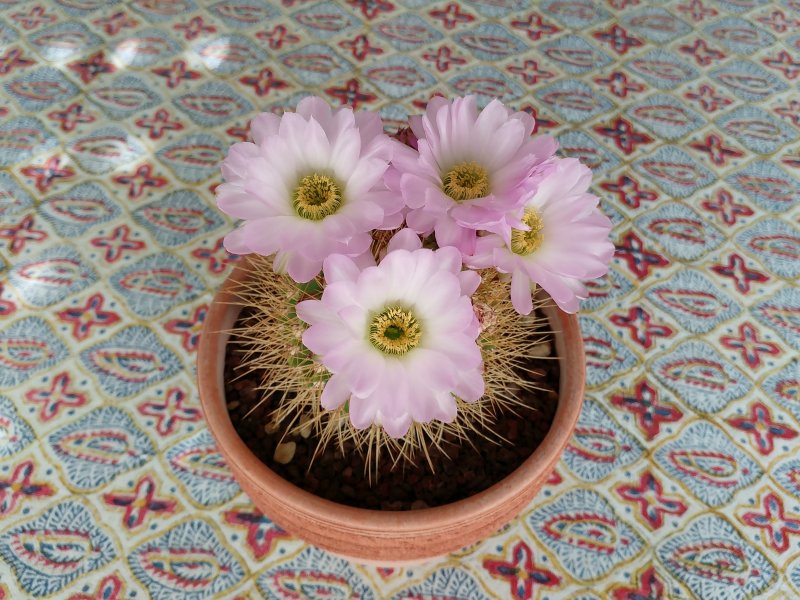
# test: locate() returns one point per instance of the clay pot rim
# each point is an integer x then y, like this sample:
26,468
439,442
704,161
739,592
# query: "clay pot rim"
382,523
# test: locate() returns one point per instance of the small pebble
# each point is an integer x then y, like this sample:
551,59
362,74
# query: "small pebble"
284,453
306,427
233,405
540,350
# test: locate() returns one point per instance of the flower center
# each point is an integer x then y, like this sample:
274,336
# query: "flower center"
527,242
395,331
316,197
466,181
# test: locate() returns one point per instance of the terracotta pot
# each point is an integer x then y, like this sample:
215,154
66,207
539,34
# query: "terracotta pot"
373,536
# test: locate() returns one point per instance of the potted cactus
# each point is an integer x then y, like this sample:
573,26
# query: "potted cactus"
395,367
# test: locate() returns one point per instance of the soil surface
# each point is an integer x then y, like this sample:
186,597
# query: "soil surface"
342,478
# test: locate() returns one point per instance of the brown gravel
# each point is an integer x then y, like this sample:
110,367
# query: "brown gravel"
342,478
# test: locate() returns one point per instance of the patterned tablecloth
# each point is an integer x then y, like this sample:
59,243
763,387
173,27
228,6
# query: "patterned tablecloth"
683,477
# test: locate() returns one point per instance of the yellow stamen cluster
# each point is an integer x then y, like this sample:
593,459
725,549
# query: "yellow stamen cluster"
466,181
316,197
528,242
395,331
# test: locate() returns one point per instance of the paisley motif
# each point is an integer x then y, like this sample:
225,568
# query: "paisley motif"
80,210
129,98
581,58
45,91
52,550
24,354
158,282
605,355
595,443
316,62
27,346
599,352
754,128
679,173
206,462
63,40
782,246
593,532
188,560
708,463
107,446
181,220
317,574
662,69
775,189
130,361
585,534
704,305
398,75
714,561
56,272
686,230
198,464
196,155
242,13
670,114
410,33
163,8
697,372
21,139
155,283
485,86
774,243
213,105
490,42
310,584
712,467
699,375
181,568
137,366
224,50
579,100
656,22
327,22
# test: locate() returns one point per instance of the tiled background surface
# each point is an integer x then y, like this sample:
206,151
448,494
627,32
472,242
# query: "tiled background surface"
683,478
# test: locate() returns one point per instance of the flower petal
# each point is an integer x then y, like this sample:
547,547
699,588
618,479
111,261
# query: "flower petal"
338,267
404,239
336,392
302,269
521,293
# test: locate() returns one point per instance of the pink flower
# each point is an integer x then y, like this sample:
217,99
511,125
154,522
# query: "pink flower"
471,169
564,240
399,338
310,185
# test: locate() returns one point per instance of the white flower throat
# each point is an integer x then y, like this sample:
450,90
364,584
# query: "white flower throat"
395,331
528,242
466,181
316,197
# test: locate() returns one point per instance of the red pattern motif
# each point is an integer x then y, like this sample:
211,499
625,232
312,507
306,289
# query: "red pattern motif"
521,572
653,503
643,402
762,429
55,397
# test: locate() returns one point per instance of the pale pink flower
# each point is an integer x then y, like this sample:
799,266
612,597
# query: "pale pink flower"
470,171
399,338
311,184
564,240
